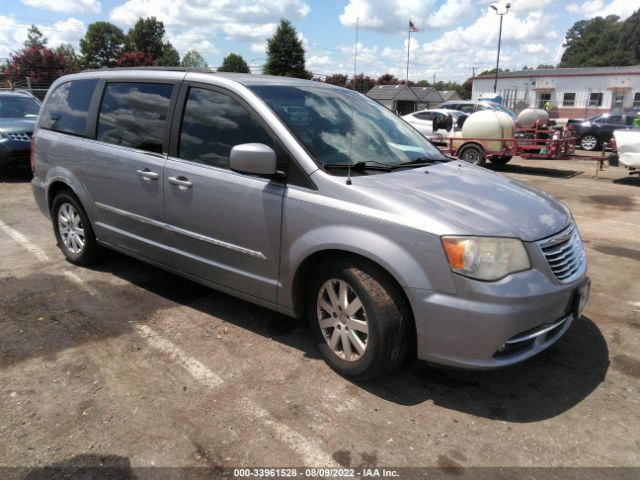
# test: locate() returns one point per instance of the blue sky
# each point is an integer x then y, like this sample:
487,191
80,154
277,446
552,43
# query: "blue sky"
454,36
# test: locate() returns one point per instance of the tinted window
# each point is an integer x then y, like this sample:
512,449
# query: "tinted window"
424,115
67,108
135,115
212,124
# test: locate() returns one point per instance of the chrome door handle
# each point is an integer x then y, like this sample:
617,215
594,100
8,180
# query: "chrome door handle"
148,174
180,181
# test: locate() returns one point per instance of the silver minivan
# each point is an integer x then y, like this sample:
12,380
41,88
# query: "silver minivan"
316,202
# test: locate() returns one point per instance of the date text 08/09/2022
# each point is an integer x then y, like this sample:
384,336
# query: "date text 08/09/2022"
314,472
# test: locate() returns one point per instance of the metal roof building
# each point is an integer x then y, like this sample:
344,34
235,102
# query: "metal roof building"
574,92
397,98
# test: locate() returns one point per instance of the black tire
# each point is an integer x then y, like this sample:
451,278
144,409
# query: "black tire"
89,251
503,160
473,154
589,142
384,309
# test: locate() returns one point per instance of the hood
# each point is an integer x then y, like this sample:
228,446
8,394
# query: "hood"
17,124
475,200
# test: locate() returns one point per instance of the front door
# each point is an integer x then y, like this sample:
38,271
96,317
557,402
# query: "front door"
123,169
223,226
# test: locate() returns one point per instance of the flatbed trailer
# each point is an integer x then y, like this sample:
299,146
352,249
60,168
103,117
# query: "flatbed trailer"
529,143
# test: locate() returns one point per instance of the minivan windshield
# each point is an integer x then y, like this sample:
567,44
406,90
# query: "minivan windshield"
18,107
342,127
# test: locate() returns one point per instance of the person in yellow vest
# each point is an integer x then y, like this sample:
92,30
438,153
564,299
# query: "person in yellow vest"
548,106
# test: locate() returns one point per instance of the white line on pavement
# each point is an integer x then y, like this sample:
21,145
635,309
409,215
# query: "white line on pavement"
310,451
74,278
196,369
24,242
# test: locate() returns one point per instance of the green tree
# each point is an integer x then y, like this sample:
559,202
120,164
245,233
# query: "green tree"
35,38
387,79
596,43
169,57
234,63
146,36
465,89
135,59
631,36
285,53
361,83
337,79
193,59
102,44
68,52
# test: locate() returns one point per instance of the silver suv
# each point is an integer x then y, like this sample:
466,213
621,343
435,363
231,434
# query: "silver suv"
314,201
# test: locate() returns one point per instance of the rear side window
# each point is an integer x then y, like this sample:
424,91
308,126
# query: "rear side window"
212,124
67,108
135,115
424,115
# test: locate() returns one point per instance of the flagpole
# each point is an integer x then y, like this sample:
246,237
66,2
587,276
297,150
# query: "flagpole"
408,51
355,54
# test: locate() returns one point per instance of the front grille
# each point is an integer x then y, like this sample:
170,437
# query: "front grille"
19,158
19,136
565,254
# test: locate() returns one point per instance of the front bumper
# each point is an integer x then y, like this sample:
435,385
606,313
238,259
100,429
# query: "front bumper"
491,325
14,153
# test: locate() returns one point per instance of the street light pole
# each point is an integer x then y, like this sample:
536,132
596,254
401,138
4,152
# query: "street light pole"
507,7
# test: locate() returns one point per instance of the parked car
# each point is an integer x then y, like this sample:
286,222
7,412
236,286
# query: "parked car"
626,144
18,113
470,106
593,132
437,124
314,201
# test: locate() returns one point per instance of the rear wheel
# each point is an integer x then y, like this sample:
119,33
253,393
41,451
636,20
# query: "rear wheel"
73,231
589,142
473,154
358,318
501,160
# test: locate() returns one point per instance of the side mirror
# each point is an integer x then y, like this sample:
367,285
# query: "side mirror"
253,158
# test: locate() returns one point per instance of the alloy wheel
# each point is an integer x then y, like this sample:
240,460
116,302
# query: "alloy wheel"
70,228
343,320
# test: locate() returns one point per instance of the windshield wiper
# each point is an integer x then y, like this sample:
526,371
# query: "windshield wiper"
359,166
419,162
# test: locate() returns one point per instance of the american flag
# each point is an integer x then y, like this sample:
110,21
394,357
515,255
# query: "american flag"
412,27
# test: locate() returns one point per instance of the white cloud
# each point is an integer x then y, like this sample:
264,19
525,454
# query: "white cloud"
390,16
68,6
450,13
600,8
13,34
534,48
67,31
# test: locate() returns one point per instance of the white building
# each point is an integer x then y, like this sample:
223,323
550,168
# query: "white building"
574,92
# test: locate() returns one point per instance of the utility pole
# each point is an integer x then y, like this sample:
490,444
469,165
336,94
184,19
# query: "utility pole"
507,6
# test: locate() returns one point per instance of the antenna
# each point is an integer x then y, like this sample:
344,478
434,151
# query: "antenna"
353,99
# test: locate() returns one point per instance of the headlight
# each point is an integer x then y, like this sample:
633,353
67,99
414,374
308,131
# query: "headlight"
485,258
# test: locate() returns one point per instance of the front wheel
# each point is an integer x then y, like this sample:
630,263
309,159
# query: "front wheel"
589,142
473,154
73,231
359,320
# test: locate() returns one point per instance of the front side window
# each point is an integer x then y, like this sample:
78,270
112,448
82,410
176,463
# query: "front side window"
569,100
135,115
67,108
338,126
212,124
